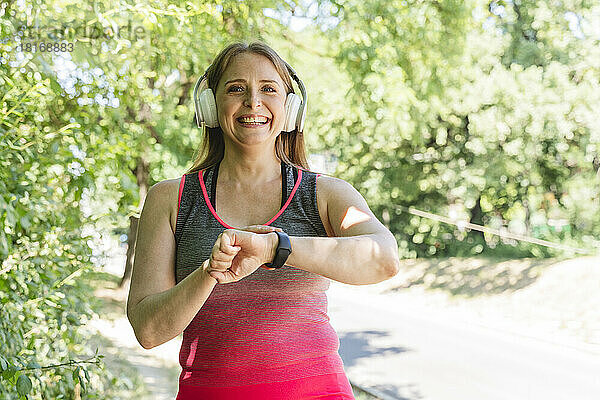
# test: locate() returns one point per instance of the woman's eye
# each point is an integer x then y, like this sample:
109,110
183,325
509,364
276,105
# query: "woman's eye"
236,88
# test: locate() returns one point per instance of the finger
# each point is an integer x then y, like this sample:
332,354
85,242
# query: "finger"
216,246
223,258
223,277
227,244
252,228
216,265
228,237
228,249
222,245
256,227
261,228
219,266
219,259
219,276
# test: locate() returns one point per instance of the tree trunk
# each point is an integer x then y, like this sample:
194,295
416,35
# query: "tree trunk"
77,391
142,174
477,216
527,216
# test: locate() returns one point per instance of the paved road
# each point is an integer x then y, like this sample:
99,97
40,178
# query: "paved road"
158,367
412,354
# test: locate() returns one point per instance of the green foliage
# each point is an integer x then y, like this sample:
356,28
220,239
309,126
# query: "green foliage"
47,169
453,115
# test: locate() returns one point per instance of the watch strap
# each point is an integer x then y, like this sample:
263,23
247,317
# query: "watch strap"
283,251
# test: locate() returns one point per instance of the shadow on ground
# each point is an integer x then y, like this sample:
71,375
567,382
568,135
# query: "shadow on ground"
472,277
357,345
116,341
397,392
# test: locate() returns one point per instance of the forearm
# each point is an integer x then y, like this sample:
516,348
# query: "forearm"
356,260
161,317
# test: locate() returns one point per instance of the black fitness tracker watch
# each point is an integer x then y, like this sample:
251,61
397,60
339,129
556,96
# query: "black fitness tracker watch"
284,249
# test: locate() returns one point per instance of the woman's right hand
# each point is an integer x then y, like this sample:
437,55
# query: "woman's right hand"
224,251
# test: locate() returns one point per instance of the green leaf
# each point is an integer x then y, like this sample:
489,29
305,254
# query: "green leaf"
33,364
24,385
25,222
81,381
8,374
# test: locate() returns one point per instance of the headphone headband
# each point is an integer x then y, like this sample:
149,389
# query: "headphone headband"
196,105
300,115
303,106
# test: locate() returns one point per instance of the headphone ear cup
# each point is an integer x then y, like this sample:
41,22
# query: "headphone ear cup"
292,107
208,108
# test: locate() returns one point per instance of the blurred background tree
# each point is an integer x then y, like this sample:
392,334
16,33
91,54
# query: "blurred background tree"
479,111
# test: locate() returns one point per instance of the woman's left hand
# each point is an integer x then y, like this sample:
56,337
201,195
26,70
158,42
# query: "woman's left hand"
256,249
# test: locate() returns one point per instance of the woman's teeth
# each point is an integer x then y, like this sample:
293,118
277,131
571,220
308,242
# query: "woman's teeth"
253,121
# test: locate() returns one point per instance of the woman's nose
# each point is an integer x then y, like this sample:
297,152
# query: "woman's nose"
252,99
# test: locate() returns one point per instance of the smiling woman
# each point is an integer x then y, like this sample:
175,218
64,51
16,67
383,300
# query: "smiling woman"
214,259
251,101
234,82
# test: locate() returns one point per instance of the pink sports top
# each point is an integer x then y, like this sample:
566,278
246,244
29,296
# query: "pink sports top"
268,335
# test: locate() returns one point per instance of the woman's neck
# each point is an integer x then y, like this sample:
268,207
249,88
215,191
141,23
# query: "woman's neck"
249,169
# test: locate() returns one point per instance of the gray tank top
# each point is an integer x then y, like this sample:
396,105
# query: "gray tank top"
271,326
198,224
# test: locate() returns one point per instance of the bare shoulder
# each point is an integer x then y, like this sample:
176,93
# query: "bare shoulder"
336,190
347,211
166,195
328,189
165,191
330,186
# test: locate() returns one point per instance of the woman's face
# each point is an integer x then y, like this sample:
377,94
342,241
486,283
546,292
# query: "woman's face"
250,99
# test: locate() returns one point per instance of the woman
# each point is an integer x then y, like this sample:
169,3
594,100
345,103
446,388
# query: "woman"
251,332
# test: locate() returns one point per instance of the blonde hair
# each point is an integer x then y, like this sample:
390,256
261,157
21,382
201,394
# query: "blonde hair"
289,147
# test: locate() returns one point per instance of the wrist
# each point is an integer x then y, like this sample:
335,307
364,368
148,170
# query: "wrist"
272,242
204,272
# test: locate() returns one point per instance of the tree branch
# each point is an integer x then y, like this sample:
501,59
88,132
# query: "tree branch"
95,359
186,86
145,111
304,47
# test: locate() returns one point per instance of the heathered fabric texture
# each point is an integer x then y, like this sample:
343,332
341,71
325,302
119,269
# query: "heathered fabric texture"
271,326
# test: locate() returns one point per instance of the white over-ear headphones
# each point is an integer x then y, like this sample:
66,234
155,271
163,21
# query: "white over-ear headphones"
295,108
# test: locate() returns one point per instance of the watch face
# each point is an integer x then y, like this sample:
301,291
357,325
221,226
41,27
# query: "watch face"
284,242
